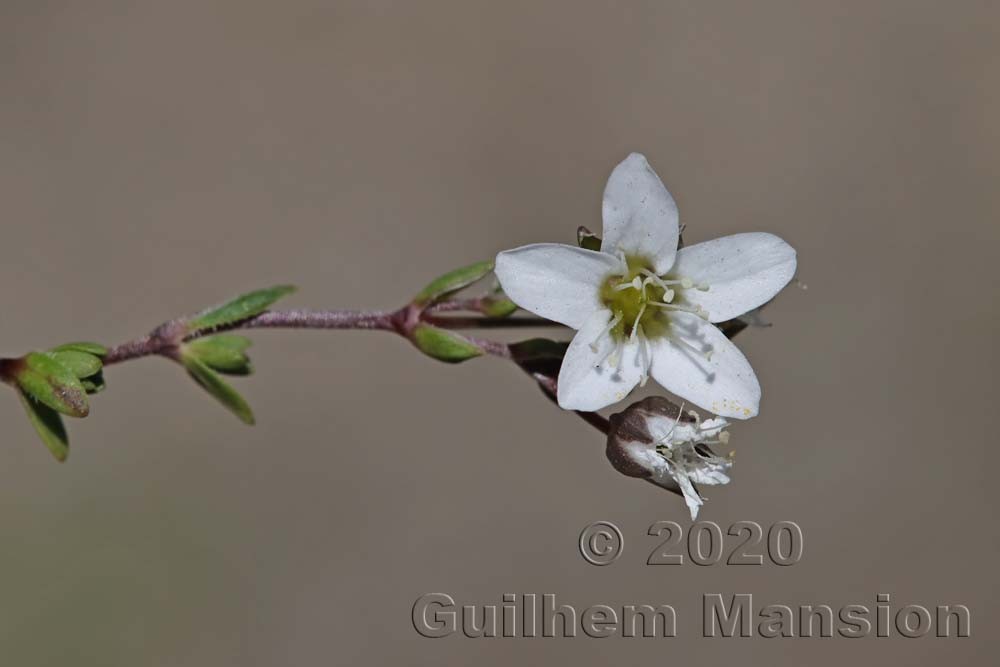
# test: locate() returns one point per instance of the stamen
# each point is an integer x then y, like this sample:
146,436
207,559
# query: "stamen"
635,325
604,332
721,439
614,358
696,310
620,253
610,355
635,283
696,350
724,424
645,282
619,356
672,428
660,281
652,276
643,356
686,283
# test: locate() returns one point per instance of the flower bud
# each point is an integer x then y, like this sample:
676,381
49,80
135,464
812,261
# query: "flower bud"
444,345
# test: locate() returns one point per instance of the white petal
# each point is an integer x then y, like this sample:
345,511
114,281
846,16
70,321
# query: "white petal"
585,386
555,281
663,428
691,495
640,216
722,382
712,472
742,271
712,427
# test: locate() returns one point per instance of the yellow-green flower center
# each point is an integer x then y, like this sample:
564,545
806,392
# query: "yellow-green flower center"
641,301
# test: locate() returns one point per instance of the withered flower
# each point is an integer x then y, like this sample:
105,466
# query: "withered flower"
656,440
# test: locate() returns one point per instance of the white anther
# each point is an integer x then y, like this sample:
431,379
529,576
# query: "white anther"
654,278
635,283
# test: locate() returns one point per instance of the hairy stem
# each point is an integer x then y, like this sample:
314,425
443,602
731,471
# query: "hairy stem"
169,335
318,319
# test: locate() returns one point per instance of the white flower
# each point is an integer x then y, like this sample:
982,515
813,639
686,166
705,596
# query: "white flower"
642,307
656,440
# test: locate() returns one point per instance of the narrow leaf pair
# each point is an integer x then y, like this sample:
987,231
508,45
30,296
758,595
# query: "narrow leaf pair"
443,344
206,358
55,383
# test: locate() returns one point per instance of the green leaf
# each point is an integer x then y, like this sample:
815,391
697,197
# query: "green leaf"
49,426
231,341
80,364
240,308
89,348
497,306
223,353
217,387
444,345
52,383
451,282
587,239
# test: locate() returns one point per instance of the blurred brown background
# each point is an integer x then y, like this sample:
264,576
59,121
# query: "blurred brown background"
159,157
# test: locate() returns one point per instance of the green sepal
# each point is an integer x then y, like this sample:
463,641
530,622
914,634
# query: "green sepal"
53,384
240,308
497,306
90,348
94,384
48,424
444,345
223,353
219,388
537,348
451,282
80,364
587,239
